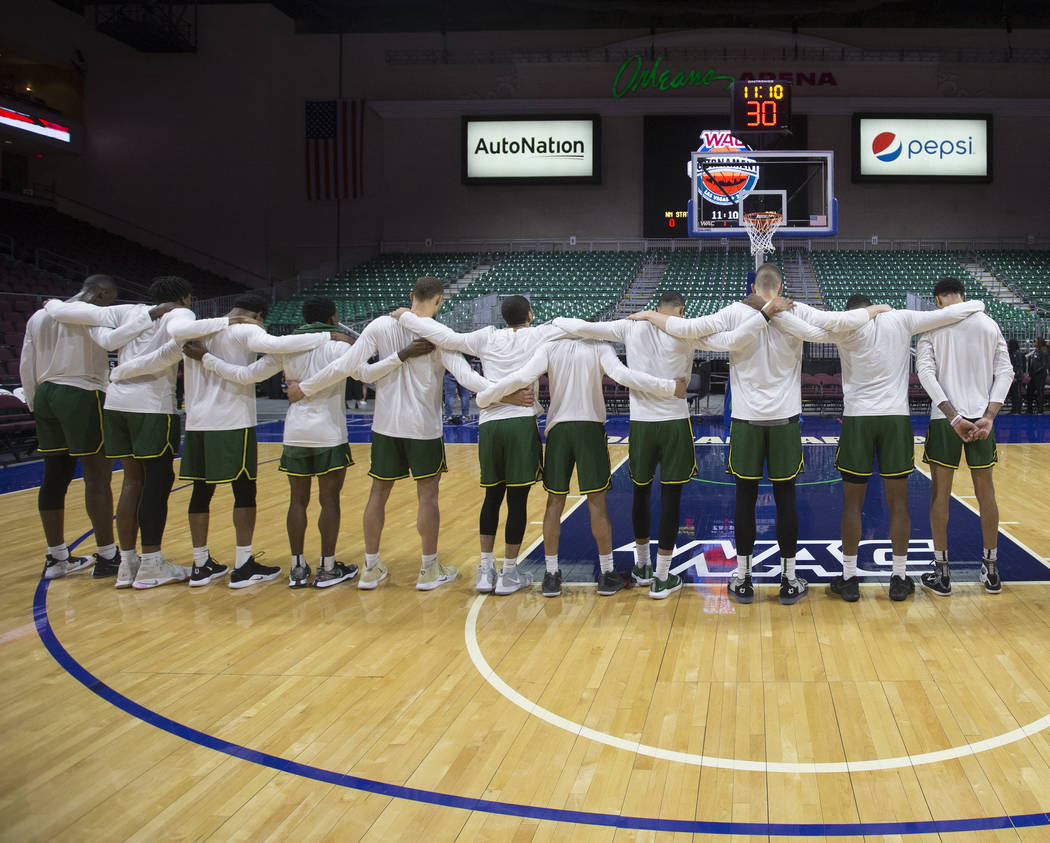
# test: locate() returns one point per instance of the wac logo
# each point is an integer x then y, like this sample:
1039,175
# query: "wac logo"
887,147
726,178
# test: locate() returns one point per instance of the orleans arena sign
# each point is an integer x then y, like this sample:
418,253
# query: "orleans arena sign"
633,76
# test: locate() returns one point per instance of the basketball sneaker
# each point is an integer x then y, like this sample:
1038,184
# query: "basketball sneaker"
791,591
848,588
252,573
55,568
299,576
741,588
990,577
660,589
339,573
204,574
609,582
372,577
552,584
901,588
643,575
938,581
486,579
127,572
434,575
106,567
514,580
153,573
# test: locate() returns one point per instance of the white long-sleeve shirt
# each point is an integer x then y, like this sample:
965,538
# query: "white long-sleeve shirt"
408,400
320,420
502,352
967,364
657,353
75,354
574,369
766,378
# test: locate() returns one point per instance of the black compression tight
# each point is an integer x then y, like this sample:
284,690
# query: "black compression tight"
243,494
58,474
517,500
670,509
158,476
787,516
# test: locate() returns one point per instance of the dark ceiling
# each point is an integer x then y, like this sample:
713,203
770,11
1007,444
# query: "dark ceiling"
482,15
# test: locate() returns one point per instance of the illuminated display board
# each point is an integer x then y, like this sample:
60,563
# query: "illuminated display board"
760,105
532,150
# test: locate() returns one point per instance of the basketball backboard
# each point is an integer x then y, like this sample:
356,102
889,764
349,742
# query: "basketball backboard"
728,183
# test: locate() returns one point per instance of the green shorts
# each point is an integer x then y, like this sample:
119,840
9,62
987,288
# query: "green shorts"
68,419
393,457
864,437
582,444
140,435
944,447
510,452
219,456
752,445
311,462
668,444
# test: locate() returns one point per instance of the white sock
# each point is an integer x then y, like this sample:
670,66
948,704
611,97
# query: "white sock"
429,559
849,566
243,554
371,560
663,565
129,557
940,557
900,565
488,560
201,555
552,563
328,562
154,558
641,555
605,562
107,552
510,563
789,568
991,554
298,560
61,552
743,565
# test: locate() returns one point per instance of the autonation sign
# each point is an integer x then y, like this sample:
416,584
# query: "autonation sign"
531,149
889,147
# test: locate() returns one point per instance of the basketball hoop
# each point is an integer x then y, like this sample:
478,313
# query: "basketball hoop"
761,226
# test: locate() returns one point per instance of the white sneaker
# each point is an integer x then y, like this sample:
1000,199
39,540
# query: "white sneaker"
362,405
126,573
513,580
152,574
486,579
55,569
434,575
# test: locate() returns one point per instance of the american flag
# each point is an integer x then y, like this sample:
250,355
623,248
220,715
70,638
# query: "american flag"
334,149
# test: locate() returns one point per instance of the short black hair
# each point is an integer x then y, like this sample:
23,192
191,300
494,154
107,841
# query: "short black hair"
100,281
857,300
515,310
318,309
673,298
166,288
253,303
948,286
427,287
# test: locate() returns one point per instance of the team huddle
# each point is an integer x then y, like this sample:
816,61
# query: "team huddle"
86,412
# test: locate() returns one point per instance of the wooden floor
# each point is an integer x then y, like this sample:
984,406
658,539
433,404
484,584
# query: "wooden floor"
743,712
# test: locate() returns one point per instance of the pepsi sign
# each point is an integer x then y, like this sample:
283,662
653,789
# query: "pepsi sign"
906,148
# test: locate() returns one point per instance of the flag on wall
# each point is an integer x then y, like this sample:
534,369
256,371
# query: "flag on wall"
335,149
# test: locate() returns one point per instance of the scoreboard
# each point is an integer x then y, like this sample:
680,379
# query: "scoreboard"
760,105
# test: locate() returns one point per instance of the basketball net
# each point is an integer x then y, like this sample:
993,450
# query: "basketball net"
761,226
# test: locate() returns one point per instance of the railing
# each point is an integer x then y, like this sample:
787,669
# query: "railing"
48,261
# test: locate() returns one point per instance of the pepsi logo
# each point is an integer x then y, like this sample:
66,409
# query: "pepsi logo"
886,146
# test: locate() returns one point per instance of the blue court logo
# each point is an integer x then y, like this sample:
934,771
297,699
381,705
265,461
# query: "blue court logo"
725,179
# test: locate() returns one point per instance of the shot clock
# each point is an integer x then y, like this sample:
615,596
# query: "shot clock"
760,105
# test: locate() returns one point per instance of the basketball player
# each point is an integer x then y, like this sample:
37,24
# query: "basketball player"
220,445
64,372
509,449
576,437
766,382
966,370
406,430
661,433
876,422
315,440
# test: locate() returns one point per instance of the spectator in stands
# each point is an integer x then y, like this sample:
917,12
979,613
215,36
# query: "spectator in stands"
1017,360
451,388
1037,366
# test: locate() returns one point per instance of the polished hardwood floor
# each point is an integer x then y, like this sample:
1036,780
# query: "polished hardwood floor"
692,709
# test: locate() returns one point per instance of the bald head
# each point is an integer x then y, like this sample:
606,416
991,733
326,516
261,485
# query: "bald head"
99,289
768,281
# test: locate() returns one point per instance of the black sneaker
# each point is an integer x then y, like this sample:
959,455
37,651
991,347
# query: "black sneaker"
339,573
55,568
847,589
990,577
105,567
609,582
252,573
204,574
901,588
742,589
299,576
938,581
552,584
792,592
456,420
